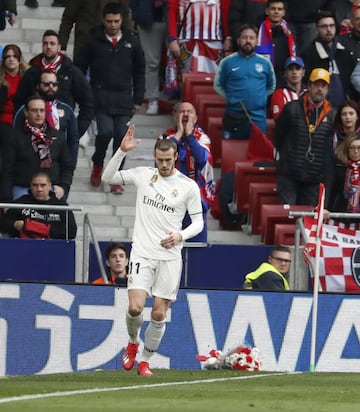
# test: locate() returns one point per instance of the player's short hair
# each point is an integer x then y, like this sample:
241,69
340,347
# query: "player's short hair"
165,144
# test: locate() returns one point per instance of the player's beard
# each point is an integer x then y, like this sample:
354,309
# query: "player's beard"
247,49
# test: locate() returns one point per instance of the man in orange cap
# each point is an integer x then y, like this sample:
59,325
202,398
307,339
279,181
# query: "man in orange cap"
304,140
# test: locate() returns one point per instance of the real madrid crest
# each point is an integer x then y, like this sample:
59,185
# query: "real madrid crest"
154,178
175,193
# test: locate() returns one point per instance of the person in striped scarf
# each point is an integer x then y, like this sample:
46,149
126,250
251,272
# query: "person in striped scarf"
195,158
275,40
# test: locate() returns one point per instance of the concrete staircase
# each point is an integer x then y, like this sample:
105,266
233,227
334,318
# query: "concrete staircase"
30,25
111,215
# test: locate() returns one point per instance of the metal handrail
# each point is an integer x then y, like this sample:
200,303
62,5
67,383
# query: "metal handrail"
88,226
45,207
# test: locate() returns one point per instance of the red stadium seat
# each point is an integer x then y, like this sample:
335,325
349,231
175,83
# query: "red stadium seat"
232,151
284,234
270,129
213,129
200,89
209,106
259,194
246,173
195,79
276,214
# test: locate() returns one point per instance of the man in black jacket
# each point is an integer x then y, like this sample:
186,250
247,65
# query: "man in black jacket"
32,147
304,139
39,223
117,77
73,86
330,54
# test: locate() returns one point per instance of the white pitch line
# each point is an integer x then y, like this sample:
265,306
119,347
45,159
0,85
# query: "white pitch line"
155,385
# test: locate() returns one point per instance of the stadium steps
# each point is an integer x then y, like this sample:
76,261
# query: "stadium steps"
111,215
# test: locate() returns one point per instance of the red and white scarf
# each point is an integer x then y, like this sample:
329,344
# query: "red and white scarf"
265,42
54,66
352,187
52,114
40,144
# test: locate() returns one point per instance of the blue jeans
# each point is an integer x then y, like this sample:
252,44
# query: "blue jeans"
109,127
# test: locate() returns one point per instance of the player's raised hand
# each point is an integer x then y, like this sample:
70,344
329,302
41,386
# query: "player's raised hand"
128,142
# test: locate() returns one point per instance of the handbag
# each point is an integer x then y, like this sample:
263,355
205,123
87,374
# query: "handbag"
34,229
233,122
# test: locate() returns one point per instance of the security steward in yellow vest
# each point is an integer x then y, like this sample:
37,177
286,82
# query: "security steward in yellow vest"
271,275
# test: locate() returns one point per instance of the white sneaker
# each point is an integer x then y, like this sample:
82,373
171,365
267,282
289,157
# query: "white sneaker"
84,140
153,108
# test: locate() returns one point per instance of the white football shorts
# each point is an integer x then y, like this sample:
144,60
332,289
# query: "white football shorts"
159,278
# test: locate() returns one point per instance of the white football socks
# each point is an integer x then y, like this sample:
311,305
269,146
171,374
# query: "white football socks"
134,324
153,335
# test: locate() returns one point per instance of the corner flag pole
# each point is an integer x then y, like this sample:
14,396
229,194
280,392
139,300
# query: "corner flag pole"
319,220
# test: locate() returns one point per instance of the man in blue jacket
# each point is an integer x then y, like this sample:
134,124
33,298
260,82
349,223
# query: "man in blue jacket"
245,79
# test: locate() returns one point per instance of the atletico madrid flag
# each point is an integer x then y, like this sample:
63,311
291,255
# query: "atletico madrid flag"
339,269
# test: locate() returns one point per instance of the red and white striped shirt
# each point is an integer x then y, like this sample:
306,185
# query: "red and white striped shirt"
204,19
279,99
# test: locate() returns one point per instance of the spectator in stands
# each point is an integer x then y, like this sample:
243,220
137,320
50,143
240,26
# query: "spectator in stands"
347,121
244,12
304,139
32,147
150,19
341,9
195,158
275,40
355,78
117,263
244,79
30,222
59,115
273,274
12,68
345,193
327,52
8,12
301,16
351,41
117,76
196,31
294,75
83,15
73,86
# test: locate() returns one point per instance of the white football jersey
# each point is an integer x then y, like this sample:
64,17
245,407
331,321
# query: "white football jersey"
161,204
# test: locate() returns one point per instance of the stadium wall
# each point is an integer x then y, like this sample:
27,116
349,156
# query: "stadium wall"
54,328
